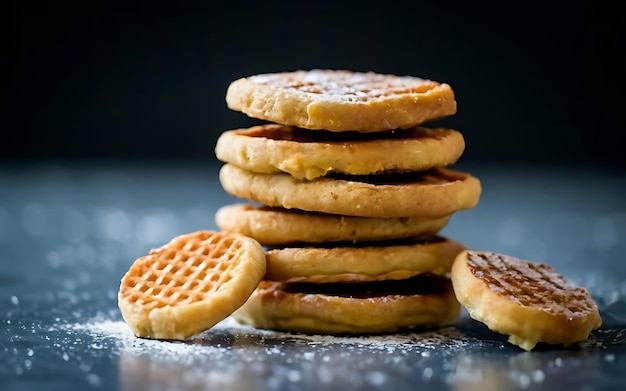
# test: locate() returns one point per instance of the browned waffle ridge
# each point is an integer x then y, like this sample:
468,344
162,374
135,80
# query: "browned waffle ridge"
530,284
528,301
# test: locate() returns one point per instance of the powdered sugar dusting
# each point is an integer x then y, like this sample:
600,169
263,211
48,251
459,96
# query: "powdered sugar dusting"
235,356
229,334
345,85
238,356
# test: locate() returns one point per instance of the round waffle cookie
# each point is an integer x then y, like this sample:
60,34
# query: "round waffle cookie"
433,193
339,100
278,226
363,261
357,308
309,154
190,284
529,302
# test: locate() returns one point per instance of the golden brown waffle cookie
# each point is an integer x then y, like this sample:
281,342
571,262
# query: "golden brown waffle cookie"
433,193
338,100
190,284
360,308
363,261
529,302
278,226
309,154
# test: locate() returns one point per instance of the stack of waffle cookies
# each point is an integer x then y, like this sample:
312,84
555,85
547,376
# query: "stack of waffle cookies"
346,195
347,191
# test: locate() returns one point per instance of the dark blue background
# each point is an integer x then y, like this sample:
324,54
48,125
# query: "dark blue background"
533,82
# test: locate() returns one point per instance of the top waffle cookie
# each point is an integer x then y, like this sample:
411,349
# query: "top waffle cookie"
338,100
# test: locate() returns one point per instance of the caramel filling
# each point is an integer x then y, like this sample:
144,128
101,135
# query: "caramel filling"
424,284
428,177
292,133
421,239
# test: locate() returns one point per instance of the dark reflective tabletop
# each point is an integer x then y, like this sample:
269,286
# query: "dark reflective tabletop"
68,232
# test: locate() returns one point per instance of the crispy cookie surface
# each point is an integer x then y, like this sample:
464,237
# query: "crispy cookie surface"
434,193
310,154
363,261
190,284
279,226
530,302
350,308
340,100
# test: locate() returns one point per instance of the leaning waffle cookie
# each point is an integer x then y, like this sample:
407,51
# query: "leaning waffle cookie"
530,302
433,193
190,284
358,308
339,100
362,261
307,154
278,226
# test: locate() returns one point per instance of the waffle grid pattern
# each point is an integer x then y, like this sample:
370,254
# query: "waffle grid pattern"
530,284
184,271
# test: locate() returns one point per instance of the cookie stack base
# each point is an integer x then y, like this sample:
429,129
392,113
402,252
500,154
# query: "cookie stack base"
293,307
